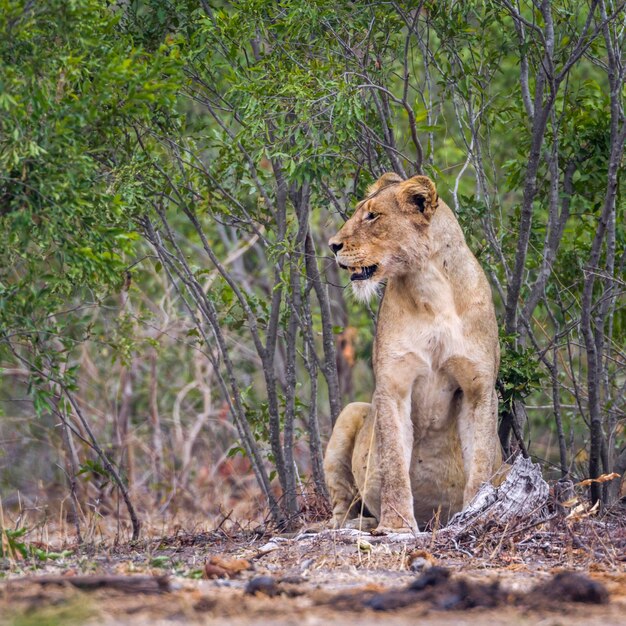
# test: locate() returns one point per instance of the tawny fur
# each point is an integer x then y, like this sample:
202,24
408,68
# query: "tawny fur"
428,440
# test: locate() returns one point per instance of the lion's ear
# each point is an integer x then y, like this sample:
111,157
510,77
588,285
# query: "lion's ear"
386,179
419,194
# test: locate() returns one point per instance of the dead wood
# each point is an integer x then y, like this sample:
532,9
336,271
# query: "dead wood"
439,589
570,587
126,584
521,497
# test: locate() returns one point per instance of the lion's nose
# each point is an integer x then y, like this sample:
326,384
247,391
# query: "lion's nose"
335,247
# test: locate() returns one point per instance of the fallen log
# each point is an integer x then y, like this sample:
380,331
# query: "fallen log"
126,584
438,588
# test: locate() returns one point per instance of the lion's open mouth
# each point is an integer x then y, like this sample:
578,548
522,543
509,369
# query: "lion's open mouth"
362,273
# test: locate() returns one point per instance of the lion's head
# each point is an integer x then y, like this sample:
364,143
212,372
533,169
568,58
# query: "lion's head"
388,233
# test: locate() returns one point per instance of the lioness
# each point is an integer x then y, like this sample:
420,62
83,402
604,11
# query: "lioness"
429,438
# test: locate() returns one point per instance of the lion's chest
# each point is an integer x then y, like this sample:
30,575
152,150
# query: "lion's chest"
434,395
419,356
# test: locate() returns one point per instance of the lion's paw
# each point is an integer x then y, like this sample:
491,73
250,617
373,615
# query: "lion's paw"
388,530
361,523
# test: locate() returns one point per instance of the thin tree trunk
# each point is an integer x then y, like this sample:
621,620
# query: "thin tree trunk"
122,423
155,421
72,462
328,338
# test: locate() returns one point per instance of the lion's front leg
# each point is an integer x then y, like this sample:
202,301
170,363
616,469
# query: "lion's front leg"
394,438
479,438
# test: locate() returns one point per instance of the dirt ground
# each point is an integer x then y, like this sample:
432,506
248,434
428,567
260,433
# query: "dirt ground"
320,578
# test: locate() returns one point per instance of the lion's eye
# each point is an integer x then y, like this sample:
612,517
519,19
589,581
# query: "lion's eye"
370,216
